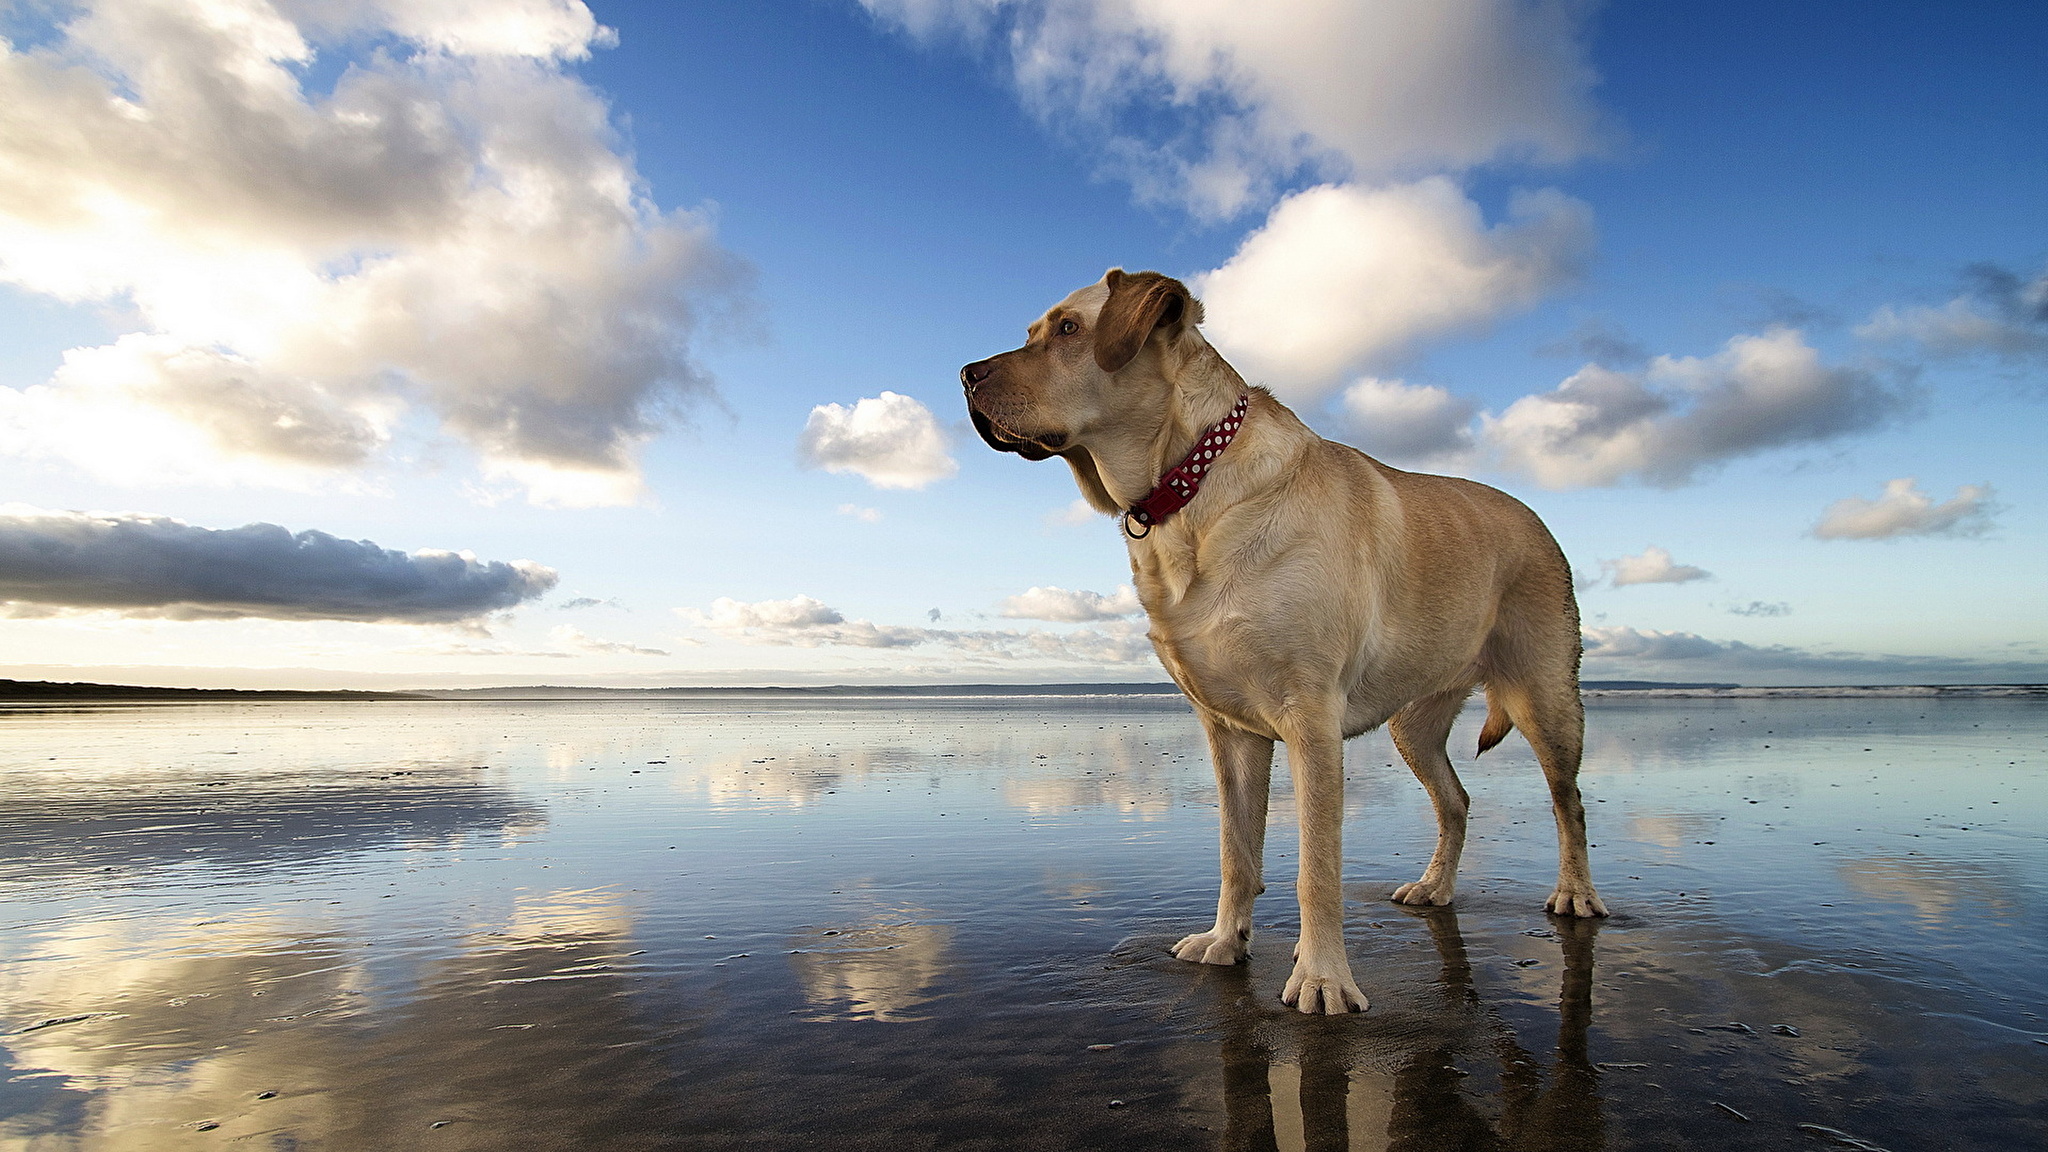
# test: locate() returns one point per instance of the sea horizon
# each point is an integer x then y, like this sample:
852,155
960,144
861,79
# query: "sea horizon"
25,691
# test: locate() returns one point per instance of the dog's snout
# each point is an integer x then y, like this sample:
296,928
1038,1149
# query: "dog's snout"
975,373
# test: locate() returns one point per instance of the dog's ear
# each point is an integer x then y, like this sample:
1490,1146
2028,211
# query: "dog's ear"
1138,304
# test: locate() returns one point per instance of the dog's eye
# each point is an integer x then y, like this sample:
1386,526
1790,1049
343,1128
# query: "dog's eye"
1068,327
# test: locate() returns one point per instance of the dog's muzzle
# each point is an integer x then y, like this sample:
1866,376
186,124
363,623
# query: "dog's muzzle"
1001,441
972,377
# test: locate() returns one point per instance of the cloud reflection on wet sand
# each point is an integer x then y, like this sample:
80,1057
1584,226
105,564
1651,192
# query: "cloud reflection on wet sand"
875,971
1938,891
286,1036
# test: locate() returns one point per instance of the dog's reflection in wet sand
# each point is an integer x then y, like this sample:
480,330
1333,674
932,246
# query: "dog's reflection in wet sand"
1332,1096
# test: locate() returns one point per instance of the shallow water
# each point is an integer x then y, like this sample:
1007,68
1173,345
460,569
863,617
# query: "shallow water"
913,924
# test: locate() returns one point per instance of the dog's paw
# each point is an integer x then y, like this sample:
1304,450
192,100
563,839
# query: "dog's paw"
1323,990
1575,900
1426,891
1213,947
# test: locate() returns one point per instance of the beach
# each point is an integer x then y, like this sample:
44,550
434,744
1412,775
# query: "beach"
732,921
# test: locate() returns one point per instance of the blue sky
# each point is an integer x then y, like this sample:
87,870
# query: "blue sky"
655,310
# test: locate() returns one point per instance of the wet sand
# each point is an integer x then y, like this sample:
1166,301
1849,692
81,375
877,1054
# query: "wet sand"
941,924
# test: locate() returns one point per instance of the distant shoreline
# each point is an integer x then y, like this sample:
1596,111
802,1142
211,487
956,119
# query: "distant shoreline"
46,691
27,691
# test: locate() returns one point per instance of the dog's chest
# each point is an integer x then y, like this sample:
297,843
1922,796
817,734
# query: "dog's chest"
1164,569
1199,631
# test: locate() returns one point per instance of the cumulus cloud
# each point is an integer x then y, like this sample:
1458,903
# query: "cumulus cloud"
800,621
1654,566
1112,642
864,515
1212,104
1077,512
1343,277
1407,424
450,235
1999,314
805,622
1071,606
149,406
564,29
1663,423
891,441
1904,510
1220,108
1680,415
1688,655
1650,644
154,566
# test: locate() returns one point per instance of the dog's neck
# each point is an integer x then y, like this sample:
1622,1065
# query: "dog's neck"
1118,470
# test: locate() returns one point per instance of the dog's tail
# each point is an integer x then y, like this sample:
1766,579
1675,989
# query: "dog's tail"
1497,726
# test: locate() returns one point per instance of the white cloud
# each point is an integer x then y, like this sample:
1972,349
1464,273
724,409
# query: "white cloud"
729,615
1078,512
800,621
1615,643
1654,566
1666,423
1662,424
154,566
1114,642
1220,106
149,407
2000,314
450,235
1343,277
1213,103
1904,510
864,515
1407,424
1071,606
805,622
891,441
564,29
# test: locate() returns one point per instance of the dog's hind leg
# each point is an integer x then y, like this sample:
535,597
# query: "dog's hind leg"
1244,776
1420,731
1548,711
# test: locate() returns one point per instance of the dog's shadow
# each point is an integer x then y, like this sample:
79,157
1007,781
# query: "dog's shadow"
1435,1066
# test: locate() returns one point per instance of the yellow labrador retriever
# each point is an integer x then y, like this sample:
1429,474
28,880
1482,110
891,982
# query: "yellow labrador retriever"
1300,591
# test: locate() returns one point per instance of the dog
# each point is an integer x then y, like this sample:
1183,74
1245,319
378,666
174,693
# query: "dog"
1299,590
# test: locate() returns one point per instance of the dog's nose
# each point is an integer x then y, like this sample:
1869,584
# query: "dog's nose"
975,373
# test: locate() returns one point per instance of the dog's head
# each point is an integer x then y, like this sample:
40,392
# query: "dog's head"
1100,359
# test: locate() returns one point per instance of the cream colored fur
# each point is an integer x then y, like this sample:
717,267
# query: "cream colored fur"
1307,594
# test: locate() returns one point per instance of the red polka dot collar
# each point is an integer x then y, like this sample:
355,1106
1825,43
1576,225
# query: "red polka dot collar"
1179,486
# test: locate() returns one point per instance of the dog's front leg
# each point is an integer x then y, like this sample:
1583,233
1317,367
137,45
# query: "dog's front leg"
1244,779
1322,971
